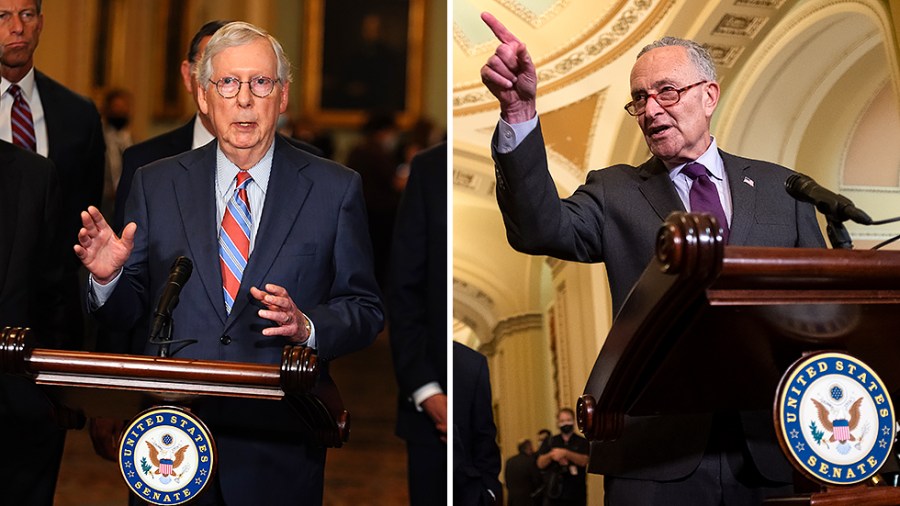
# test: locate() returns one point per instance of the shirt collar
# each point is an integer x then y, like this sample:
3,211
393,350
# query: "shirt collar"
226,171
26,84
711,159
201,136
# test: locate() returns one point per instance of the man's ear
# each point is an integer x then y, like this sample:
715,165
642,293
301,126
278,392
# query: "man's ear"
285,88
711,97
201,100
186,76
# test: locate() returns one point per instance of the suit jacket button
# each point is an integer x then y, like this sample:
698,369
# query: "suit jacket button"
225,340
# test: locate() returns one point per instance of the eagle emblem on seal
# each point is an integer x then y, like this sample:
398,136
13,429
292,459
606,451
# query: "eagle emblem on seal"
837,418
165,457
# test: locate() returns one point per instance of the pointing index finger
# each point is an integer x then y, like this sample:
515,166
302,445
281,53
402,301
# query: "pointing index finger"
497,27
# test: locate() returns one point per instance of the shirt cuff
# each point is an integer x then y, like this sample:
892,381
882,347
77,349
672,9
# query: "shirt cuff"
424,392
511,135
98,294
311,342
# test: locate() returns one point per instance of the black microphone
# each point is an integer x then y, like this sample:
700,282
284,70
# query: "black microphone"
178,276
806,189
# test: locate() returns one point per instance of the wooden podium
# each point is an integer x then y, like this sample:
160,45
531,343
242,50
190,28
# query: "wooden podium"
741,315
85,385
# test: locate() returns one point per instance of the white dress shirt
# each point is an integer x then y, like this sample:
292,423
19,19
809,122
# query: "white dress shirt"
31,95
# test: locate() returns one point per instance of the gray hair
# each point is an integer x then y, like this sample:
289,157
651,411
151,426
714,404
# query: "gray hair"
698,54
235,34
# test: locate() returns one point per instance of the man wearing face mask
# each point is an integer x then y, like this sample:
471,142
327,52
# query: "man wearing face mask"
375,159
117,134
564,460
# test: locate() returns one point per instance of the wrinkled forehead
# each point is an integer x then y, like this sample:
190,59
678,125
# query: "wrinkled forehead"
668,64
253,58
17,5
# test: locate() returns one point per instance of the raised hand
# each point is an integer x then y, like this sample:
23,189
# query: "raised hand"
510,75
99,249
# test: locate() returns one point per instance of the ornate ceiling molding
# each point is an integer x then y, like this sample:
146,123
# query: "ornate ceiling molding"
633,22
518,324
473,182
533,18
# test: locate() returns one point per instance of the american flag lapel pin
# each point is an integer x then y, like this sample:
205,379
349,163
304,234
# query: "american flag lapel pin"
748,181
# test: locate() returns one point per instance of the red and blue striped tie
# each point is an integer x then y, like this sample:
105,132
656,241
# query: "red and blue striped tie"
234,240
21,120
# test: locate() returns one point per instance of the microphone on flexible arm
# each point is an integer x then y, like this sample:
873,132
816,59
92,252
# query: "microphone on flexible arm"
836,208
831,204
161,330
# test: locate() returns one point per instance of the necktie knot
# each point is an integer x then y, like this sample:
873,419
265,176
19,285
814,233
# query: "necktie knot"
15,91
243,178
694,170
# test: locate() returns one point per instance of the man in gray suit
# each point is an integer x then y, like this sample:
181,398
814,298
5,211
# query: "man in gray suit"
721,458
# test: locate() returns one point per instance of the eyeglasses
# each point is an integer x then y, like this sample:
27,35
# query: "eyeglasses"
668,96
260,86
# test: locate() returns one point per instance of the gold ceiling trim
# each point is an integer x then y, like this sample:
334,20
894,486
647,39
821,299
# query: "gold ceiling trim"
468,47
588,33
526,14
570,130
578,64
529,16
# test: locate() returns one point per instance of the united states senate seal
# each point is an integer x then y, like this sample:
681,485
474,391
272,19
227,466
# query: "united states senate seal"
167,456
834,418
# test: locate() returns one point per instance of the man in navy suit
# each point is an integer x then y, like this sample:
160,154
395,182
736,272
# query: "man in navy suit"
67,130
476,457
729,458
308,279
417,300
32,285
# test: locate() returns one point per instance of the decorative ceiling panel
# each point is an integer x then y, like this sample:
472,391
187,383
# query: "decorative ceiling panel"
582,38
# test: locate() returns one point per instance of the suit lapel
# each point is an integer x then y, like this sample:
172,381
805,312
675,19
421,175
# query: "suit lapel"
743,199
658,189
195,191
183,138
53,115
287,191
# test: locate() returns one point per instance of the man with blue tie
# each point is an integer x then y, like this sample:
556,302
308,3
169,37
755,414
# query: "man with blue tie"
281,256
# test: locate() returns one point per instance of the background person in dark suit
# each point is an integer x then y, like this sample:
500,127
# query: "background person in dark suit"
522,477
614,217
308,279
476,457
195,133
67,130
32,285
417,304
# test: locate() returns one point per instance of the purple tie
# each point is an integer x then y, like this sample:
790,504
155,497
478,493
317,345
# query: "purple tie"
704,196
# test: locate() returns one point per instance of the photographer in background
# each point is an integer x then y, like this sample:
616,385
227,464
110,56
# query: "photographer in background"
564,461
